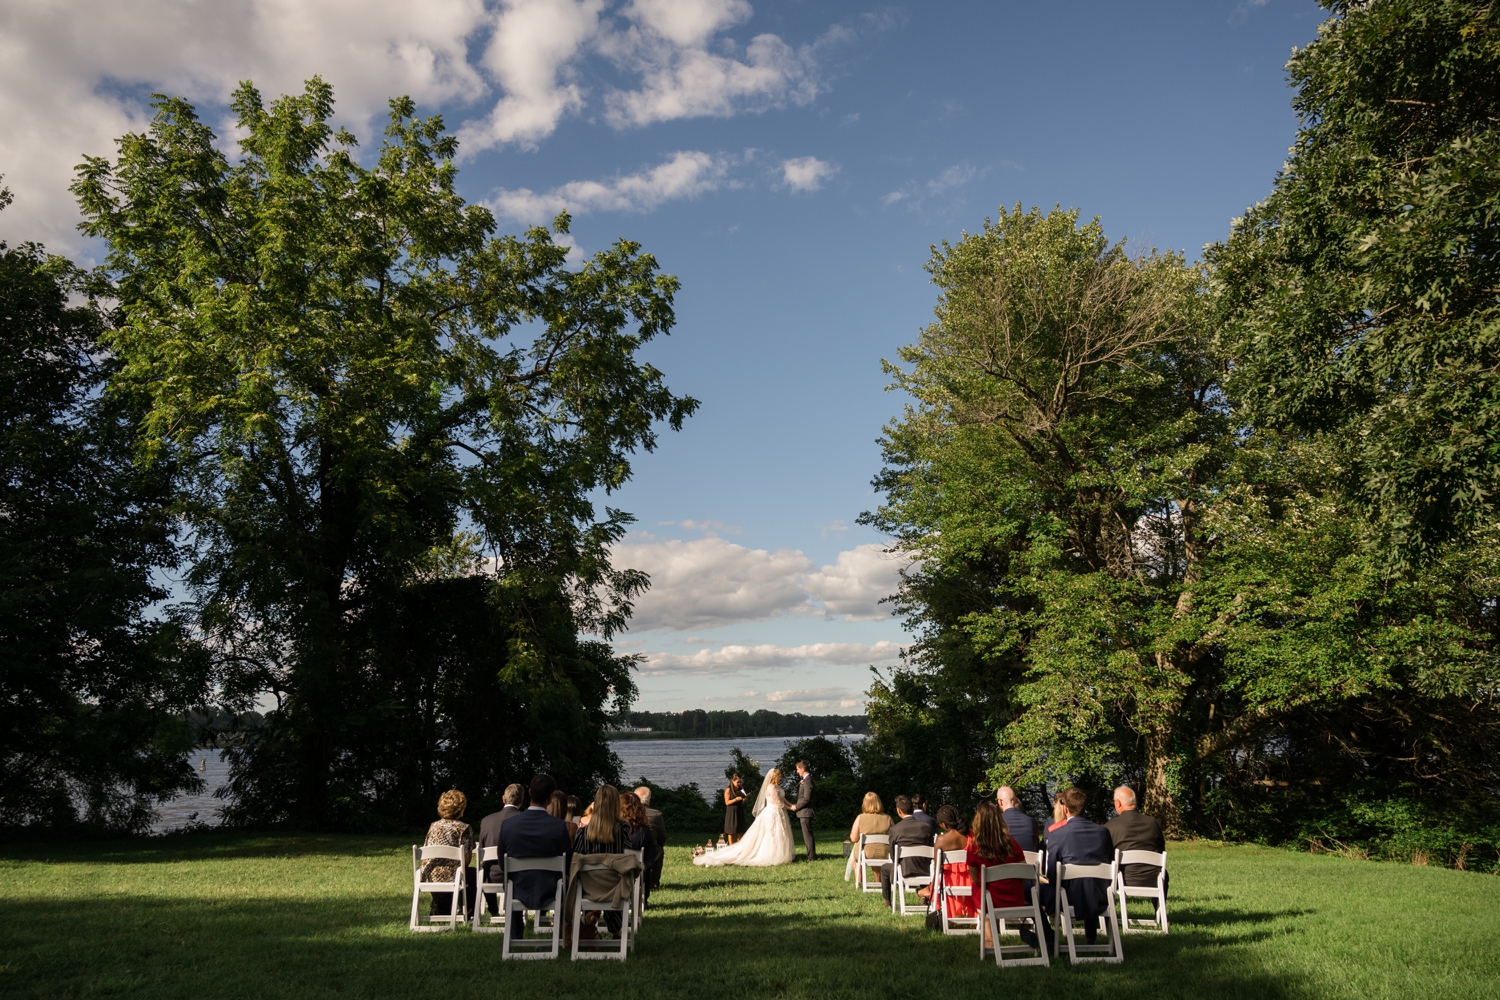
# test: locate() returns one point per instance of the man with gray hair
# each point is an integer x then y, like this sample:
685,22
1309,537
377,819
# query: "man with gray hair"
1023,829
1133,830
514,798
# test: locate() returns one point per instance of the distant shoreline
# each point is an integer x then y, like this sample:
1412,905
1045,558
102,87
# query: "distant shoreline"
633,737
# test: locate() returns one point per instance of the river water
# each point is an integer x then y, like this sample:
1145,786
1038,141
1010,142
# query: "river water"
668,763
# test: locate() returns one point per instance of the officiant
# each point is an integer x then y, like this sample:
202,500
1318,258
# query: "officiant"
734,809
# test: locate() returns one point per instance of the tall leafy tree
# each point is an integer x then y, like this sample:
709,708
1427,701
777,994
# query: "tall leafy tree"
1116,578
93,686
1363,291
389,425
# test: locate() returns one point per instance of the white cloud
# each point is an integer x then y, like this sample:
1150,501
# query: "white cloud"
733,659
685,174
955,176
854,586
62,65
72,72
806,173
708,581
531,54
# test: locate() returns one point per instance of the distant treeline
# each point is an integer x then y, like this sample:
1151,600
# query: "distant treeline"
738,725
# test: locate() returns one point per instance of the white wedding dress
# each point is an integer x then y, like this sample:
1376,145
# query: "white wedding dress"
767,842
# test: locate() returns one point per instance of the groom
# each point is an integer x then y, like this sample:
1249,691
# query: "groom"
803,808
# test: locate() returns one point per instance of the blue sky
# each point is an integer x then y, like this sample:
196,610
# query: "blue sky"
792,163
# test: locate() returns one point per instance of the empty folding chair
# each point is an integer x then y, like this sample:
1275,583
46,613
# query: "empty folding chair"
514,914
486,919
996,916
903,884
1156,893
943,891
864,862
420,856
1111,950
618,948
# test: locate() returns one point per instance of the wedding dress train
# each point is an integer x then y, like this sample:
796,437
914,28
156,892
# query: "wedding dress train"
767,842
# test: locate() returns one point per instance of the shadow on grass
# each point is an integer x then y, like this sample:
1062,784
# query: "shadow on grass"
352,945
207,845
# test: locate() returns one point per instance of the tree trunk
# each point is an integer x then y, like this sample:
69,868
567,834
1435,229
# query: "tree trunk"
1160,801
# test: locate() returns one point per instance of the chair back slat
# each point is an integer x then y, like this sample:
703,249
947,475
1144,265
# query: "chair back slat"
874,838
439,852
533,864
993,873
1066,872
958,857
488,854
913,852
1141,858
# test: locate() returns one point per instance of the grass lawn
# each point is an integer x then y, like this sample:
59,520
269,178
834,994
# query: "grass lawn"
227,915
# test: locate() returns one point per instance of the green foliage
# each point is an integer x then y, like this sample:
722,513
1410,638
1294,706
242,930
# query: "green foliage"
1119,580
685,810
387,426
92,684
747,769
837,788
1361,293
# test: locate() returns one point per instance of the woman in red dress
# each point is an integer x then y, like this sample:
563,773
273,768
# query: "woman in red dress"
989,844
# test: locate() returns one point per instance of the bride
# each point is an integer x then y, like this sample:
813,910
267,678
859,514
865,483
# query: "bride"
769,839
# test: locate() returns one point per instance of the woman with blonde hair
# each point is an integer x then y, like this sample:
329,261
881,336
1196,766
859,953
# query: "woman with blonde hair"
768,841
449,831
871,819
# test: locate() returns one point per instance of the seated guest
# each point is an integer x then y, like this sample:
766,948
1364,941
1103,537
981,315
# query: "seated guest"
908,831
1059,812
659,833
574,809
989,843
1078,842
514,798
642,837
449,831
536,833
606,833
557,807
583,821
871,819
1022,828
953,837
1133,830
919,812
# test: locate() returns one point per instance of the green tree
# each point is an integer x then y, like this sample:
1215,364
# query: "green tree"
93,685
1116,578
1362,292
372,399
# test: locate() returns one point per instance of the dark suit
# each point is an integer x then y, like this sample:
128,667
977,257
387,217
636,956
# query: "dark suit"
805,815
1078,842
489,836
909,832
535,834
1132,830
1023,829
659,849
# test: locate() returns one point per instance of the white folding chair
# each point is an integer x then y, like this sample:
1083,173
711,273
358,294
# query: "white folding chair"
1111,951
994,917
862,865
903,884
486,920
514,913
638,892
619,948
1156,893
1034,859
943,891
420,856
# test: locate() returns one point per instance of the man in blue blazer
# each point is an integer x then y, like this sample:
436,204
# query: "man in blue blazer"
536,834
1077,842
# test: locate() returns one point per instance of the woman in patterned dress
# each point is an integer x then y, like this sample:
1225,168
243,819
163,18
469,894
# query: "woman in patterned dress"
449,831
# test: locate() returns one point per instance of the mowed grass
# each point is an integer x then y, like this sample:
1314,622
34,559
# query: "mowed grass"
223,915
